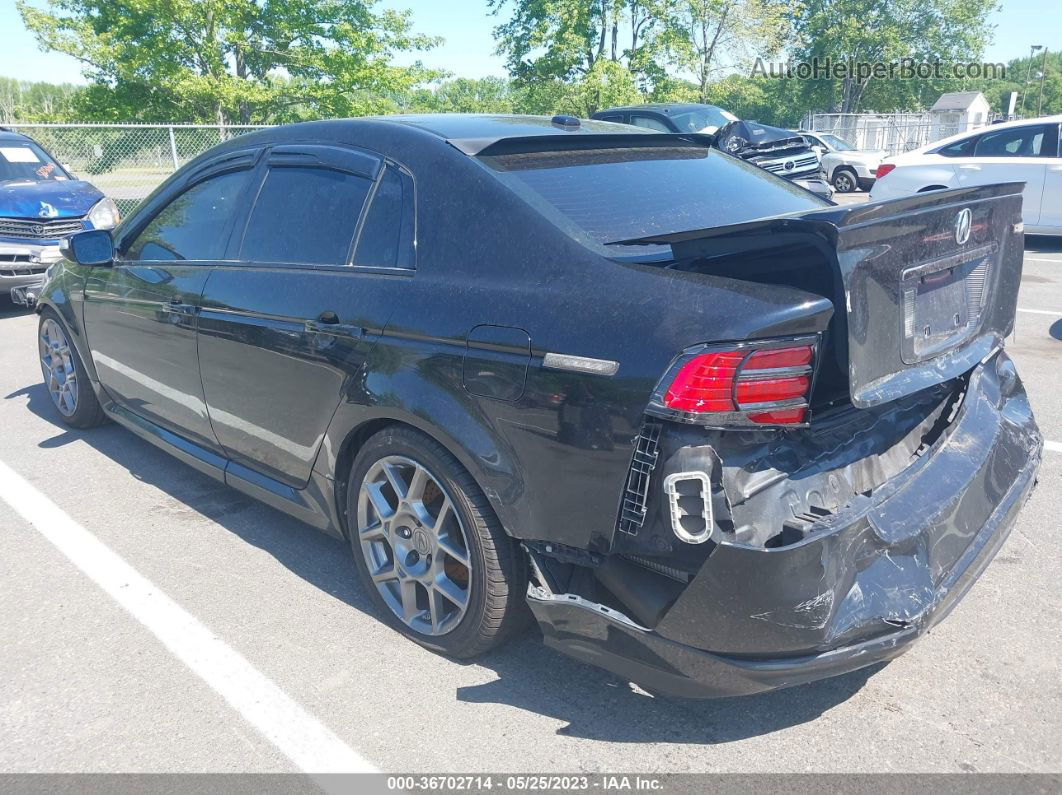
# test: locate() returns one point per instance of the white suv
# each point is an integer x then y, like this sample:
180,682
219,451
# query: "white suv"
1026,151
844,166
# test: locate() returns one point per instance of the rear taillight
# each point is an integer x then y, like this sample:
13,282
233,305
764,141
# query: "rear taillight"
884,169
763,383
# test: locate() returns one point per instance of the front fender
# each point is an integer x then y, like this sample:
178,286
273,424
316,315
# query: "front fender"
64,293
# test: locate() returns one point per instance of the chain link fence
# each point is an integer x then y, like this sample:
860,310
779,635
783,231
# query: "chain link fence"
892,133
126,161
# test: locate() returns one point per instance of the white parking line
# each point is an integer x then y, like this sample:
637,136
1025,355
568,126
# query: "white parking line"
1040,312
1054,447
310,745
1043,259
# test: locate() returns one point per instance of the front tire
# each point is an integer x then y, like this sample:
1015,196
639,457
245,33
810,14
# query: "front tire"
428,547
844,180
65,376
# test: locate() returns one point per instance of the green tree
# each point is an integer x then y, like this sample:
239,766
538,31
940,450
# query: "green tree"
22,100
230,61
564,39
706,36
1023,77
464,95
872,31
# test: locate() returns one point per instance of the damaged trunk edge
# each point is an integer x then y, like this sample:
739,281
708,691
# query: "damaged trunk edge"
866,526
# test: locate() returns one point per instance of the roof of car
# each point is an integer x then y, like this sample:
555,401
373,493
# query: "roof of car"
471,133
11,135
663,107
987,128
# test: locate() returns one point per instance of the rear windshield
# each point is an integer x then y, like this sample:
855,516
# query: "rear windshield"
23,160
603,196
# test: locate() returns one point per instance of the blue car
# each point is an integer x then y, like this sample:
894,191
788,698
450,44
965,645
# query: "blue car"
40,204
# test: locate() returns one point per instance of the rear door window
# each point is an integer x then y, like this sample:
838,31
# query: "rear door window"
388,236
1014,142
649,122
195,225
305,215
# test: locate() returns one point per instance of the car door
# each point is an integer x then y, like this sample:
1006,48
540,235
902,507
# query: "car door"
141,313
1011,154
1051,204
283,334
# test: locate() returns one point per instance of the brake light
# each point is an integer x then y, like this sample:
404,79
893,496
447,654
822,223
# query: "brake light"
762,385
884,169
705,383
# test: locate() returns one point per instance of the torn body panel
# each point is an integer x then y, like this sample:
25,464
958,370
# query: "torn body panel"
945,473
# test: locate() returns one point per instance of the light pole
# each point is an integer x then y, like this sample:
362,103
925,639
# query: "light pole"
1028,75
1043,71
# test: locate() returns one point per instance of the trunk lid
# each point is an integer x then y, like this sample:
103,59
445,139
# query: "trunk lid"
929,283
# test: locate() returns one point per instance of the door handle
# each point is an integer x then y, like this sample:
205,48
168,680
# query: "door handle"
970,168
1054,168
328,323
178,307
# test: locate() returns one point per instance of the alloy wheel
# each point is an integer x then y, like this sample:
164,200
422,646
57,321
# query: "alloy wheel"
843,183
414,544
57,364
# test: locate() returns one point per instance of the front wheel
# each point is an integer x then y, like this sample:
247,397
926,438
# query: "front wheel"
844,181
65,377
428,547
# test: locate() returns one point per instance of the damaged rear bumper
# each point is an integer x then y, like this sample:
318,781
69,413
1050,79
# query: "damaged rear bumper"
855,591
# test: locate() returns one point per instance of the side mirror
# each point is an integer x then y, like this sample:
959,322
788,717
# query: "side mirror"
93,248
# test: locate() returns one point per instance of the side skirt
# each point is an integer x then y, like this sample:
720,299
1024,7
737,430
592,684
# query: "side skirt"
310,505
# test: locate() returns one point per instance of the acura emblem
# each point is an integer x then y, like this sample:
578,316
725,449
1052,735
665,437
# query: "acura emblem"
963,222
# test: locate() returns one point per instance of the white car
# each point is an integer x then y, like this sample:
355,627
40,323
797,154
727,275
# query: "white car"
1017,151
844,166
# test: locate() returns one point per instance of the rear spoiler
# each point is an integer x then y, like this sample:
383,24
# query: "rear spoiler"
493,145
929,283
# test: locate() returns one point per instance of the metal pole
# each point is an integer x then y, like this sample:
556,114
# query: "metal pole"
1028,77
173,150
1043,72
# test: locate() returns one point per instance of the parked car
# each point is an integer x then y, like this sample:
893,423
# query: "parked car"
681,117
516,361
1027,151
40,203
844,166
778,151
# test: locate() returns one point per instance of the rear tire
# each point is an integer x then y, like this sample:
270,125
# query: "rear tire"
65,376
428,547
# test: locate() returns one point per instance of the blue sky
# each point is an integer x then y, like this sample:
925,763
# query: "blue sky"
468,51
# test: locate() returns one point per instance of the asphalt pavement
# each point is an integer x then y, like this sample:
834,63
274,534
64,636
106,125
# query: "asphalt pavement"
152,620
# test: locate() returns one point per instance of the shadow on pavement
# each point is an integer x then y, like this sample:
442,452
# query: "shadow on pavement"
593,704
8,309
1041,244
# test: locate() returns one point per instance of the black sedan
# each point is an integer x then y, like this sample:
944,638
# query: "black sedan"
719,440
